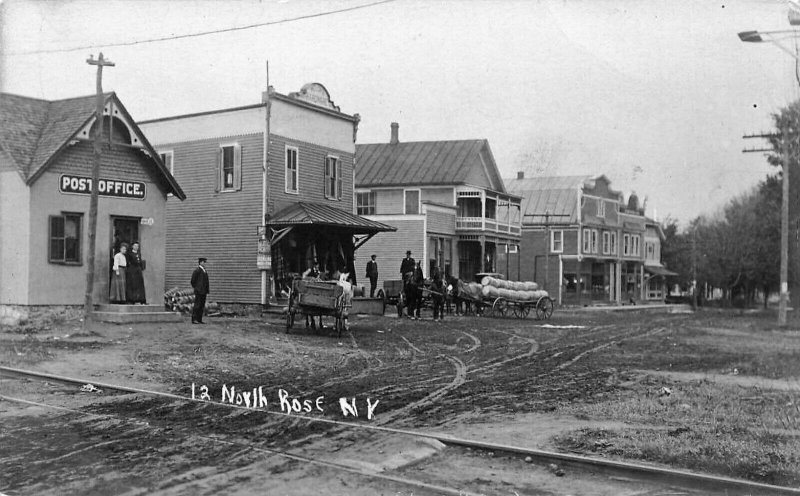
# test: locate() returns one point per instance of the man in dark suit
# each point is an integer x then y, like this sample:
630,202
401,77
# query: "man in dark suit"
407,265
372,274
200,285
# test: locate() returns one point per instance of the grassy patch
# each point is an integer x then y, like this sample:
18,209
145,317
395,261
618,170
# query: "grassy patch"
725,429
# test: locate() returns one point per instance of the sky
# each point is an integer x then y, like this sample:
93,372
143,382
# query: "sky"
655,95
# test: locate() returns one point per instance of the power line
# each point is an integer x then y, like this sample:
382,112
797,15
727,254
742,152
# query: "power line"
204,33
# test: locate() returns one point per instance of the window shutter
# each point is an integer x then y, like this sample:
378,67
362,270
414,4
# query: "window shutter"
327,177
338,179
237,167
218,171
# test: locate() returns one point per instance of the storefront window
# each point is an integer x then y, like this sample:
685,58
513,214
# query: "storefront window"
65,238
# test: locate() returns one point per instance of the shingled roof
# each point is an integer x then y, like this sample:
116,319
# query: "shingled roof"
34,131
425,163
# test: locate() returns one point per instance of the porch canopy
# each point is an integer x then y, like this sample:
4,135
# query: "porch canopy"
658,270
305,232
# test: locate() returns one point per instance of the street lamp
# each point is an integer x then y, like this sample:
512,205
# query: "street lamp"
774,37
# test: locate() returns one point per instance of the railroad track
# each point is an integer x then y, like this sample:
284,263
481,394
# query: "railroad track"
702,483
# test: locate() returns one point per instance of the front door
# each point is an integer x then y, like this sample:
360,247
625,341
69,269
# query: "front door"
123,230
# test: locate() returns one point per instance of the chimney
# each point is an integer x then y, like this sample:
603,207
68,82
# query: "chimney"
520,174
395,132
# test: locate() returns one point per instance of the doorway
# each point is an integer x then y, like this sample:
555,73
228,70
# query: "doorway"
123,230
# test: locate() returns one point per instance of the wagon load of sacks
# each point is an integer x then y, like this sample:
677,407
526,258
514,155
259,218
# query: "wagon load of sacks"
491,287
182,300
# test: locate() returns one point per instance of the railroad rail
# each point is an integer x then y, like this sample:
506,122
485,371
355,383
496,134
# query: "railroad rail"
644,473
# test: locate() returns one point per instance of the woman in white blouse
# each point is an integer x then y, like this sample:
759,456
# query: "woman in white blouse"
118,276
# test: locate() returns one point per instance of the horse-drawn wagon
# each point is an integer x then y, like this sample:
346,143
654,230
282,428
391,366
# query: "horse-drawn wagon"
503,298
313,298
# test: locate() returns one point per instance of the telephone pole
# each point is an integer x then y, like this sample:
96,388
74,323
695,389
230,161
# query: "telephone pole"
88,304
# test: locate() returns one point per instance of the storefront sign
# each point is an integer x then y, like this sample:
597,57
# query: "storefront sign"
264,260
107,187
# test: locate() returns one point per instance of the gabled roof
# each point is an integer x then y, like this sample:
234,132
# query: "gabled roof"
425,163
33,132
318,214
556,195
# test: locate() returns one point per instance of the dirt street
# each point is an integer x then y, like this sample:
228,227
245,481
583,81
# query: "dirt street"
512,381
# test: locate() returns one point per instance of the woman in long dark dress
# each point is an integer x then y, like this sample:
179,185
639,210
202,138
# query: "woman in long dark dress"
134,280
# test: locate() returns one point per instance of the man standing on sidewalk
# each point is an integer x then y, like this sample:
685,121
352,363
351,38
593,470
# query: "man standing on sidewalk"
372,274
200,285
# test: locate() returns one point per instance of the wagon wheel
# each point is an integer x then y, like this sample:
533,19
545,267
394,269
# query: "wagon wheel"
544,308
500,307
521,310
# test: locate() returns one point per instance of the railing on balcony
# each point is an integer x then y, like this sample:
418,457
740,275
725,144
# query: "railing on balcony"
488,225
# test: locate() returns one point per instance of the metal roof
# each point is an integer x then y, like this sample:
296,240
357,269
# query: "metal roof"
318,214
425,163
556,195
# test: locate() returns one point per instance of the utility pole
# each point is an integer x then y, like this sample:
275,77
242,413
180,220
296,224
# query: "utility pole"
88,304
782,308
784,267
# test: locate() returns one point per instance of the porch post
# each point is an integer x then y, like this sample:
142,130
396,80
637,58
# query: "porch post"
481,267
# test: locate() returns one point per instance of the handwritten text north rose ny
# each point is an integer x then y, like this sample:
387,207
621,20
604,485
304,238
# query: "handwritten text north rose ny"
255,398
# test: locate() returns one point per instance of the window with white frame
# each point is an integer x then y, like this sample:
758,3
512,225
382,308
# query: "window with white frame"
650,250
167,160
613,247
333,178
411,201
65,238
601,208
365,203
511,248
292,173
635,245
594,240
626,244
606,242
229,168
557,241
587,240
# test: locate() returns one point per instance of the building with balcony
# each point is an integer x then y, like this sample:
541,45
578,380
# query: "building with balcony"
447,201
584,243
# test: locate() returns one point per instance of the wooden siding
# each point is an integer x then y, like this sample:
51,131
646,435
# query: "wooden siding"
118,162
390,247
311,174
389,201
221,226
441,222
444,196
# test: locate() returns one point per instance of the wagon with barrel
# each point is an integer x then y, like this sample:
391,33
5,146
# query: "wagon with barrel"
503,298
313,298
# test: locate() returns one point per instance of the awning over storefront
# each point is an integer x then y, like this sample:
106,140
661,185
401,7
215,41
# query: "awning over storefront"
658,270
303,213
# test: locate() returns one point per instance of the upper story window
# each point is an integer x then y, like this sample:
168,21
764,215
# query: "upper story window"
650,251
411,201
65,238
291,170
229,177
365,203
606,243
613,243
594,240
587,240
167,160
557,241
601,208
626,244
333,178
635,245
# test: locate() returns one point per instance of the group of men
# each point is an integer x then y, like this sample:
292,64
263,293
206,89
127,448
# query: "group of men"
413,282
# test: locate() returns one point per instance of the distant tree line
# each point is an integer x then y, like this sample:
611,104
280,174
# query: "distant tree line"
736,250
